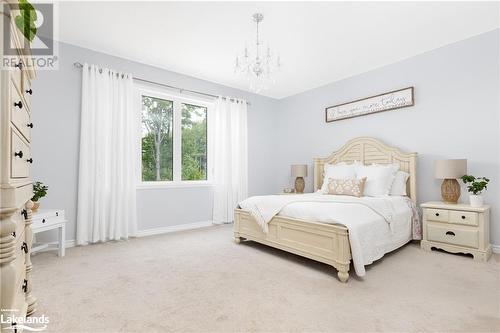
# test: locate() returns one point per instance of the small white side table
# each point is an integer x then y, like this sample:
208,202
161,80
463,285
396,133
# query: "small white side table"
49,219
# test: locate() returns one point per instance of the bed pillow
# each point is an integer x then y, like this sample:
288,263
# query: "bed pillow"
379,178
353,187
340,170
399,184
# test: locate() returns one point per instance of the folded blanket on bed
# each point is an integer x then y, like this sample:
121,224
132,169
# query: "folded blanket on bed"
263,208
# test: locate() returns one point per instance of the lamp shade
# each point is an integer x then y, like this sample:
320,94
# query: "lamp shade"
450,169
299,170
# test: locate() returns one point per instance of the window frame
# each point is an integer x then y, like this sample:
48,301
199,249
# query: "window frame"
177,99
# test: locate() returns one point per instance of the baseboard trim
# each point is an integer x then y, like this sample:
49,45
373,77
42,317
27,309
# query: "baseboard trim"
495,248
174,228
141,233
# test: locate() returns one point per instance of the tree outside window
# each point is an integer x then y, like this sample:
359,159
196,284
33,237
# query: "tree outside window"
157,139
174,140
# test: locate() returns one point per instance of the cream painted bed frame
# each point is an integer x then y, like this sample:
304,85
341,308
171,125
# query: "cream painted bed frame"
326,243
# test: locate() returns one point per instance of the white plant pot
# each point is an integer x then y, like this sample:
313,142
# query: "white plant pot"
476,200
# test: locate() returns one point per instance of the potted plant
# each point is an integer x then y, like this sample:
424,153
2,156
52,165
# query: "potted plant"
476,188
39,191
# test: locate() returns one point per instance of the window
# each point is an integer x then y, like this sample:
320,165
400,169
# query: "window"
194,142
157,139
174,139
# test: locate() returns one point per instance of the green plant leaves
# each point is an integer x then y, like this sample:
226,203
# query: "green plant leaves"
477,185
26,20
39,191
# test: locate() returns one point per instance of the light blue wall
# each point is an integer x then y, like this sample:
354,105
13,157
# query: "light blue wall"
456,115
56,118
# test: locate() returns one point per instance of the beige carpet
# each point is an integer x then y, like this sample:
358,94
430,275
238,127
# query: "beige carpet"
200,281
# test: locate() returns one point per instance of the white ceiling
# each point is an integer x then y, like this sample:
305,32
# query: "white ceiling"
318,42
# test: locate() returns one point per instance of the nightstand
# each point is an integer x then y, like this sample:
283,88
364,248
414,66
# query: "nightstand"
457,228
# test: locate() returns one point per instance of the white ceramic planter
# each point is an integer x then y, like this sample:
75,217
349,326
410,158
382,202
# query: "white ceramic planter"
476,200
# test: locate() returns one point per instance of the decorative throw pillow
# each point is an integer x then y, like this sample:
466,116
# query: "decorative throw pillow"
379,178
340,170
353,187
399,184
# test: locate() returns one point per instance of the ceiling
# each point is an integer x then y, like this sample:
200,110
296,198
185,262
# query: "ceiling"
318,42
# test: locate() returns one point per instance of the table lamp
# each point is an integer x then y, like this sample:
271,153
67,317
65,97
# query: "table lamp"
450,170
299,171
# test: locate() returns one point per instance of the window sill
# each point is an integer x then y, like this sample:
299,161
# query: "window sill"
171,185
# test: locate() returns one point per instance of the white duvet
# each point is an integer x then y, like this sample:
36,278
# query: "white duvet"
377,225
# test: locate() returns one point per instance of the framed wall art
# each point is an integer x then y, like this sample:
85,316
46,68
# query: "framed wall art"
391,100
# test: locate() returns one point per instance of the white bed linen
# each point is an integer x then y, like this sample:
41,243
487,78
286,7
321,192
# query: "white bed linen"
370,236
376,225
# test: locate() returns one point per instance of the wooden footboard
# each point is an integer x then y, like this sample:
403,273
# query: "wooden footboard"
325,243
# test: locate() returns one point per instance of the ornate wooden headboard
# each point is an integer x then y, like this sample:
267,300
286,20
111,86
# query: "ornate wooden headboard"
368,150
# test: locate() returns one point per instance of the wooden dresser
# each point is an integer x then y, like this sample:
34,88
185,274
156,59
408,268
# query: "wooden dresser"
15,181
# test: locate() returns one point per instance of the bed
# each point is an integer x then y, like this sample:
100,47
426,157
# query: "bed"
328,243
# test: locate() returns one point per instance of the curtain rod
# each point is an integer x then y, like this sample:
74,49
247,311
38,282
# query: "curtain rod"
181,90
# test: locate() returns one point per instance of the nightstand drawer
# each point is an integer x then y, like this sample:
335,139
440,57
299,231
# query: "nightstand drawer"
440,215
453,235
467,218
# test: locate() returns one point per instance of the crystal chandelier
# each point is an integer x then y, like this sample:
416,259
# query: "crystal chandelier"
257,66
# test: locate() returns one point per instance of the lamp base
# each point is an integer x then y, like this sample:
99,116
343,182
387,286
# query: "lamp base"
450,191
299,185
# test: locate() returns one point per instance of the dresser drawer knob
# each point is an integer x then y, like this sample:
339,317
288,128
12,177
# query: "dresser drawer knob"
29,160
25,285
30,125
463,217
450,233
24,247
20,154
19,104
43,220
29,91
437,214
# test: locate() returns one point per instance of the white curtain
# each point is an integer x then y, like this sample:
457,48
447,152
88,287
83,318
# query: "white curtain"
230,161
108,143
